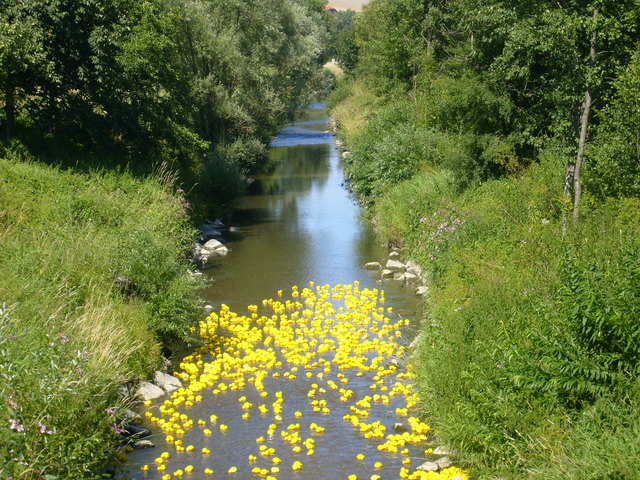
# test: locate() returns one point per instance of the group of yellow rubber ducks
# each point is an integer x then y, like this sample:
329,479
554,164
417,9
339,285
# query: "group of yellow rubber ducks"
303,339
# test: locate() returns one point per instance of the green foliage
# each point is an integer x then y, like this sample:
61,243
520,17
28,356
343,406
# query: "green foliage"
613,164
390,39
342,38
609,426
535,325
529,364
68,335
153,81
397,214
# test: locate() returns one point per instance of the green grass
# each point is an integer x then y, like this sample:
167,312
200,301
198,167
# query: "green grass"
68,337
531,360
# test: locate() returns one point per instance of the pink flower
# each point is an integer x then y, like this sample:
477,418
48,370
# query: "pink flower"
43,429
15,424
118,429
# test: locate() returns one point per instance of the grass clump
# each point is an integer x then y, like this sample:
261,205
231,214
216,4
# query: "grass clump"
69,336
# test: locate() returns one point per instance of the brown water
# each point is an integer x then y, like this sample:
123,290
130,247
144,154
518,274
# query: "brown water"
297,224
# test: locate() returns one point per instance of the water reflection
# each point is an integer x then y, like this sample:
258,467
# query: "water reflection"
297,224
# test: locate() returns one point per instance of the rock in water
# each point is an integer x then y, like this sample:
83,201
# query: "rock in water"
395,266
410,277
428,467
131,417
167,382
414,268
399,276
421,290
143,444
441,451
149,391
372,266
399,427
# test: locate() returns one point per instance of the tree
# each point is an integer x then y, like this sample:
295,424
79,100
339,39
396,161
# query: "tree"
22,57
574,169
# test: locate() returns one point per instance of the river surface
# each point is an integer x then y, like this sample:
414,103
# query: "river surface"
298,224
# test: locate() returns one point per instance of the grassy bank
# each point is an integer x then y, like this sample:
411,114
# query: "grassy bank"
529,367
69,336
498,143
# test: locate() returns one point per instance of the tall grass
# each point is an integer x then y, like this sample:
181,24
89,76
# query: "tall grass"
69,337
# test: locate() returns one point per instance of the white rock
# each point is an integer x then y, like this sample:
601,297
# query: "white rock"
411,265
399,276
386,273
373,265
394,254
428,467
213,244
411,277
399,427
444,462
208,309
131,416
144,444
213,248
395,266
167,382
441,451
421,290
149,391
346,155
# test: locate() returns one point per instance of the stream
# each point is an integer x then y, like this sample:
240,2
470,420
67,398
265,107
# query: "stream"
300,233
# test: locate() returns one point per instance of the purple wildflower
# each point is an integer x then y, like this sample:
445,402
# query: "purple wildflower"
43,429
63,338
118,429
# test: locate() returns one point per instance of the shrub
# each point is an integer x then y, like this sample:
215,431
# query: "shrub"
529,323
397,214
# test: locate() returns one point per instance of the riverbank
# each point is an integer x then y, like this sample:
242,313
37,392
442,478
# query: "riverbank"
525,313
94,281
501,152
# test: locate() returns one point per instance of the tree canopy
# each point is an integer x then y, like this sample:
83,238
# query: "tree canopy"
186,82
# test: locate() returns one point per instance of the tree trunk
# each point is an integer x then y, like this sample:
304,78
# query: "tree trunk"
9,108
584,128
573,179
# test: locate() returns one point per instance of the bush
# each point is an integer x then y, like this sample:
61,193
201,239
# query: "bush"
529,323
